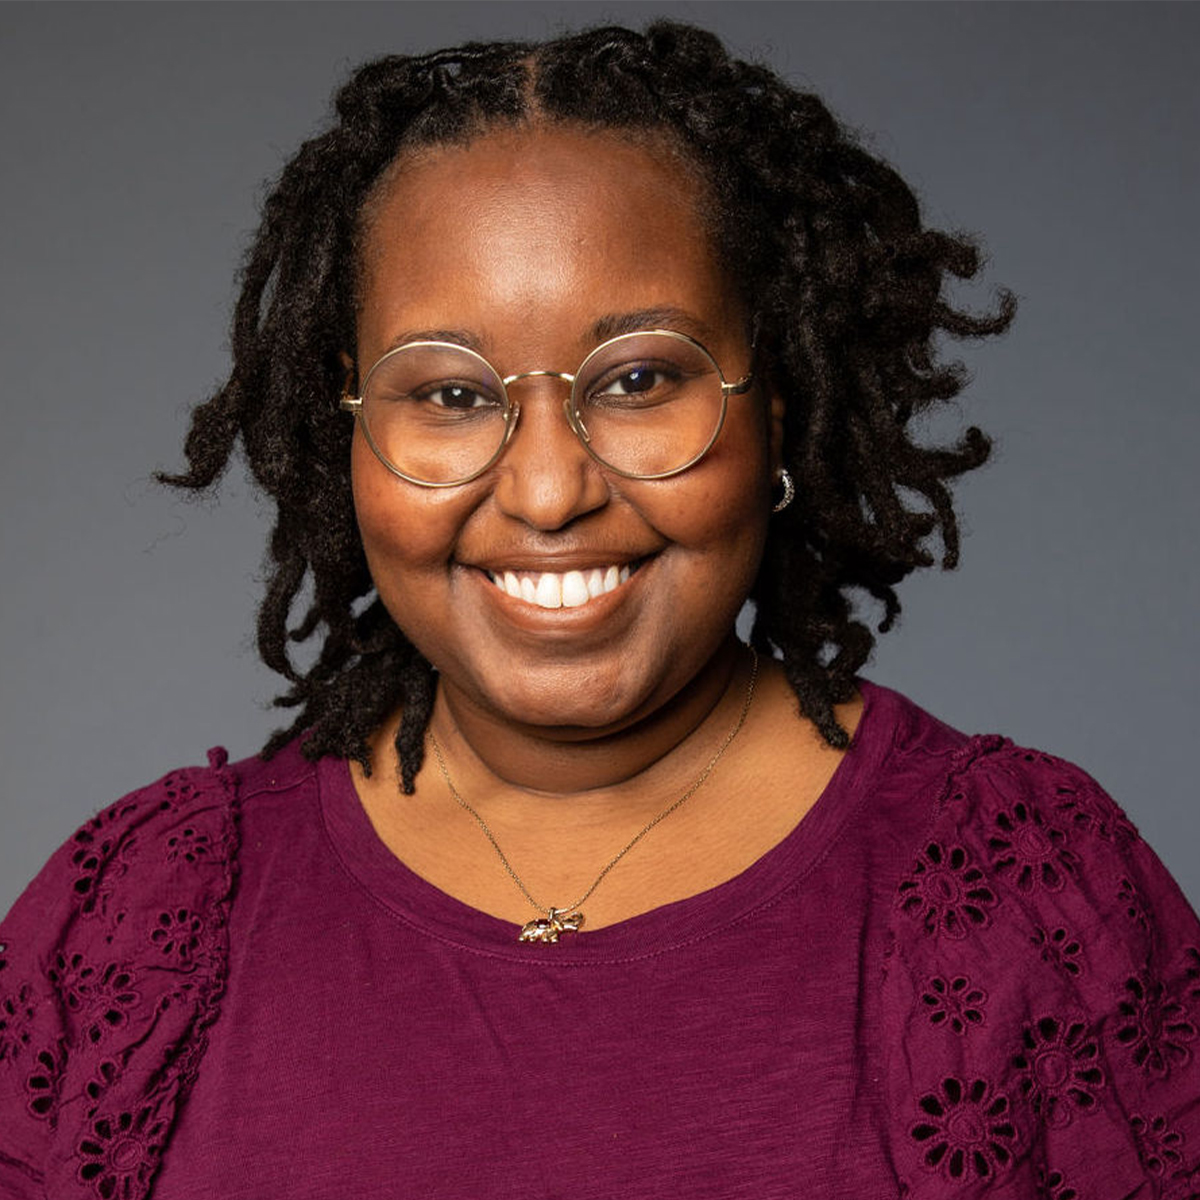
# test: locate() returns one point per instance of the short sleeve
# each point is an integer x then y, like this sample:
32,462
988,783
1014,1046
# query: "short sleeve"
32,1032
112,964
1044,983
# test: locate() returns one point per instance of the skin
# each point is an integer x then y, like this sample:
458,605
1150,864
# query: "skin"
569,729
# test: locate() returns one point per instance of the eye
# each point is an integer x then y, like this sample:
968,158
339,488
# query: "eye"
634,381
638,386
457,397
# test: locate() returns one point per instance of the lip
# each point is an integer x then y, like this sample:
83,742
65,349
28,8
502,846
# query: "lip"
533,618
559,564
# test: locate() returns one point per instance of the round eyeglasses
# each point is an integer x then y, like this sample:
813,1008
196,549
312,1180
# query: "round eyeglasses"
645,405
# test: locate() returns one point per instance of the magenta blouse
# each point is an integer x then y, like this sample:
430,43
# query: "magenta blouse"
963,974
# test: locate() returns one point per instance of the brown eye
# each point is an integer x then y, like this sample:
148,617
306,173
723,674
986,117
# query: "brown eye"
457,396
633,383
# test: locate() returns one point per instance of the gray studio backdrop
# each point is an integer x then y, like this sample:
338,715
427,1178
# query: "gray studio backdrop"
134,140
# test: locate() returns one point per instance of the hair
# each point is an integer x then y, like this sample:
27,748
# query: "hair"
847,289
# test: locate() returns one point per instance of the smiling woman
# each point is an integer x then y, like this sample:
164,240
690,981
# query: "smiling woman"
562,234
551,356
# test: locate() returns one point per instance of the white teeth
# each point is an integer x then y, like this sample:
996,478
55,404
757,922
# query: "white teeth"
549,591
574,589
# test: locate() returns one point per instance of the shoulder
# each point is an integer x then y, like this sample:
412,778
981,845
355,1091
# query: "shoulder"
1042,995
1017,837
173,837
112,966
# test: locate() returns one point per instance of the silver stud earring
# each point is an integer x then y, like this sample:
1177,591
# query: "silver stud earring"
789,491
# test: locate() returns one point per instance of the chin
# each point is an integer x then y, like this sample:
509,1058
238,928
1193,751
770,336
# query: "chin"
567,697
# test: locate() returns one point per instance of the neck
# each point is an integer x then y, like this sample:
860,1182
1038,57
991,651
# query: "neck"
651,746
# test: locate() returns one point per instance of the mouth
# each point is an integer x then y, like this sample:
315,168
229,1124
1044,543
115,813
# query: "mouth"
566,589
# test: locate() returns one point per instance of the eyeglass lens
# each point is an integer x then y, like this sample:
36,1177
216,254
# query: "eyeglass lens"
646,404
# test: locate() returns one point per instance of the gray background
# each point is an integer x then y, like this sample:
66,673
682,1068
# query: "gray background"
134,140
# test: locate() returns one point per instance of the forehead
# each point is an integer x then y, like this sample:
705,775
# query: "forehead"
534,226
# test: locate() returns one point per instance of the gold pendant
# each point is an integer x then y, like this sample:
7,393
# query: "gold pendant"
550,928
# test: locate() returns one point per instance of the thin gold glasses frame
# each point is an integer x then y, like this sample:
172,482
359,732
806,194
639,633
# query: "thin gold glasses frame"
512,408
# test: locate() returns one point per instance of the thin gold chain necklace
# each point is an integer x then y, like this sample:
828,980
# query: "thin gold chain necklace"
568,918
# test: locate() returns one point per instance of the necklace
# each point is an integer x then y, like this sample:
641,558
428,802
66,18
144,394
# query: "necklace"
568,918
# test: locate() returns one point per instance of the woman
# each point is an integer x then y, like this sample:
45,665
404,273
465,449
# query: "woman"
551,356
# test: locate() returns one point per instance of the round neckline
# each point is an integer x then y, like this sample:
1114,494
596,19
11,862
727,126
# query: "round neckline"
395,887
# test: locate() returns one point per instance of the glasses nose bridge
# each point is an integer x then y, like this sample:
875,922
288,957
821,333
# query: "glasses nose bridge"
573,421
509,380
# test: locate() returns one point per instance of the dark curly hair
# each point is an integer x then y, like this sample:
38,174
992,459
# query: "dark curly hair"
846,285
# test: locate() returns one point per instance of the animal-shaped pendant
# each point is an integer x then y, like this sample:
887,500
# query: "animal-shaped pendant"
550,928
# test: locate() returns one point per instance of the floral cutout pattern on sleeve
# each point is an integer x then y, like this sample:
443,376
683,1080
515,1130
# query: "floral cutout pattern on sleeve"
96,1053
1083,980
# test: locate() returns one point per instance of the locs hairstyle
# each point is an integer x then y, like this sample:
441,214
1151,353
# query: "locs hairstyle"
844,284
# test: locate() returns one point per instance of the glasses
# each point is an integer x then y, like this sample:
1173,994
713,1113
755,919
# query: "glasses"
645,405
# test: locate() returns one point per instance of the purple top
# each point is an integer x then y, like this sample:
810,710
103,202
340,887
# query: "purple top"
962,974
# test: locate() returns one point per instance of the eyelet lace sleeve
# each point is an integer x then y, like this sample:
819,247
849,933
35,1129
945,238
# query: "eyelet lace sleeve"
112,966
1045,978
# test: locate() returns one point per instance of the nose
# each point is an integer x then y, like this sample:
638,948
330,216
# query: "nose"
545,477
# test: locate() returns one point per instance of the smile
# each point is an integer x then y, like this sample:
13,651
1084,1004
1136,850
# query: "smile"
568,589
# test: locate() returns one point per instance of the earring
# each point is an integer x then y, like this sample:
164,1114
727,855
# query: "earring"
789,491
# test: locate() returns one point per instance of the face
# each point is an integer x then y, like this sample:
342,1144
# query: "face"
529,244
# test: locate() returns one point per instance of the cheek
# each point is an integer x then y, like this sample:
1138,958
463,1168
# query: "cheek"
401,525
716,516
713,520
730,500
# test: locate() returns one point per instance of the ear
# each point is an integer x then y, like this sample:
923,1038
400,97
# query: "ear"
348,363
775,409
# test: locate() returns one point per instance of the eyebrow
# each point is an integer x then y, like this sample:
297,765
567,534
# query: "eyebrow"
611,325
665,317
459,337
